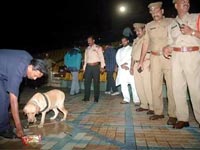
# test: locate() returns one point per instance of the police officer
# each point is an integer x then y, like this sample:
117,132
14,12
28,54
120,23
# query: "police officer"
142,79
184,44
93,64
14,66
155,40
50,63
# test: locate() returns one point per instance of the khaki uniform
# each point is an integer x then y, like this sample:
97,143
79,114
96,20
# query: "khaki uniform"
93,60
142,80
156,38
185,67
94,54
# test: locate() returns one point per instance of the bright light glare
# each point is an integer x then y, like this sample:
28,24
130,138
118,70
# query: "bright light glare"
122,9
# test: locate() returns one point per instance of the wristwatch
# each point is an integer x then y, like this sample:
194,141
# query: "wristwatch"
193,33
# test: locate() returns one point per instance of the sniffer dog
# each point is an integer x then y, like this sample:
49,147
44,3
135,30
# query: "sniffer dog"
44,102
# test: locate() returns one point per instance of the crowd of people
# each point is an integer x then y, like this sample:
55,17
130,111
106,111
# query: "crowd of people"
165,50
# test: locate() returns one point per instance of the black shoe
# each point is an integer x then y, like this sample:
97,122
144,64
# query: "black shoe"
181,124
150,112
9,134
171,121
85,99
141,109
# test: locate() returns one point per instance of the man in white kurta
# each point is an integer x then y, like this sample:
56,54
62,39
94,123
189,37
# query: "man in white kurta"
124,78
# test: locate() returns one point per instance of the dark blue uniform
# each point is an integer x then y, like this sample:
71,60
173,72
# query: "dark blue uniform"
13,67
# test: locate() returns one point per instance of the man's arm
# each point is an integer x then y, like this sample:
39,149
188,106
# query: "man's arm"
196,33
189,31
143,54
132,66
101,57
15,114
144,50
122,62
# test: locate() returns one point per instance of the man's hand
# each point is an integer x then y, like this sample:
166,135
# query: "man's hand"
116,68
124,66
102,70
19,132
140,67
186,30
167,52
15,114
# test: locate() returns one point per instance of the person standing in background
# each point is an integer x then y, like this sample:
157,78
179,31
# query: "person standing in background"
110,60
49,62
124,78
142,77
72,60
94,63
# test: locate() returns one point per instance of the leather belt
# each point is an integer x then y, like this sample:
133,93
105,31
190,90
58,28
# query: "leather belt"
156,53
93,64
186,49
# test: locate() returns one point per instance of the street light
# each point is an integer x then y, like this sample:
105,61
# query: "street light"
122,9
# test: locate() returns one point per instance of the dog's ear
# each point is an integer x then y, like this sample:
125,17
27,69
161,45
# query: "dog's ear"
25,110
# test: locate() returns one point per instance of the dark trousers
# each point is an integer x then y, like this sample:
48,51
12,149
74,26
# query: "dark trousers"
92,72
110,82
4,105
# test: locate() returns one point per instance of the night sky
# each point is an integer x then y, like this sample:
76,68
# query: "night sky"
47,26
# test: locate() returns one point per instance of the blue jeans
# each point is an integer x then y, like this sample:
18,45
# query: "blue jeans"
75,84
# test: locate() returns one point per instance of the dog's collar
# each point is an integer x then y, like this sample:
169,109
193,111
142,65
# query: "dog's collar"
47,102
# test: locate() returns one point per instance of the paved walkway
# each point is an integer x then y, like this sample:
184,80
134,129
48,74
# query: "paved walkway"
106,125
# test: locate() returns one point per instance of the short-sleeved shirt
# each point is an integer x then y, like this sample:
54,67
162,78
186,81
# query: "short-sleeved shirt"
176,38
13,67
156,34
94,54
137,48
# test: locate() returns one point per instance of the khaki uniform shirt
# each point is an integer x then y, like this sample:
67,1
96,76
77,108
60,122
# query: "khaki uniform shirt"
137,48
156,34
94,54
176,38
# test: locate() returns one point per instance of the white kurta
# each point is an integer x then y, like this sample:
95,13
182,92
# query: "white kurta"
123,76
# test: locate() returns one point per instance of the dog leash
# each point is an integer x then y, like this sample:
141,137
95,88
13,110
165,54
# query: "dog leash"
47,102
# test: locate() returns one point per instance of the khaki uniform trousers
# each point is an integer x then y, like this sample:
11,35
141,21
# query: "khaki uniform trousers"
143,85
186,72
161,67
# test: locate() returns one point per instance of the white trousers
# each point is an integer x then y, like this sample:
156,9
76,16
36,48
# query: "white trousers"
126,93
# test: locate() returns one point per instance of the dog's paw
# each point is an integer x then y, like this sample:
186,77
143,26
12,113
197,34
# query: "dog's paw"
40,126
